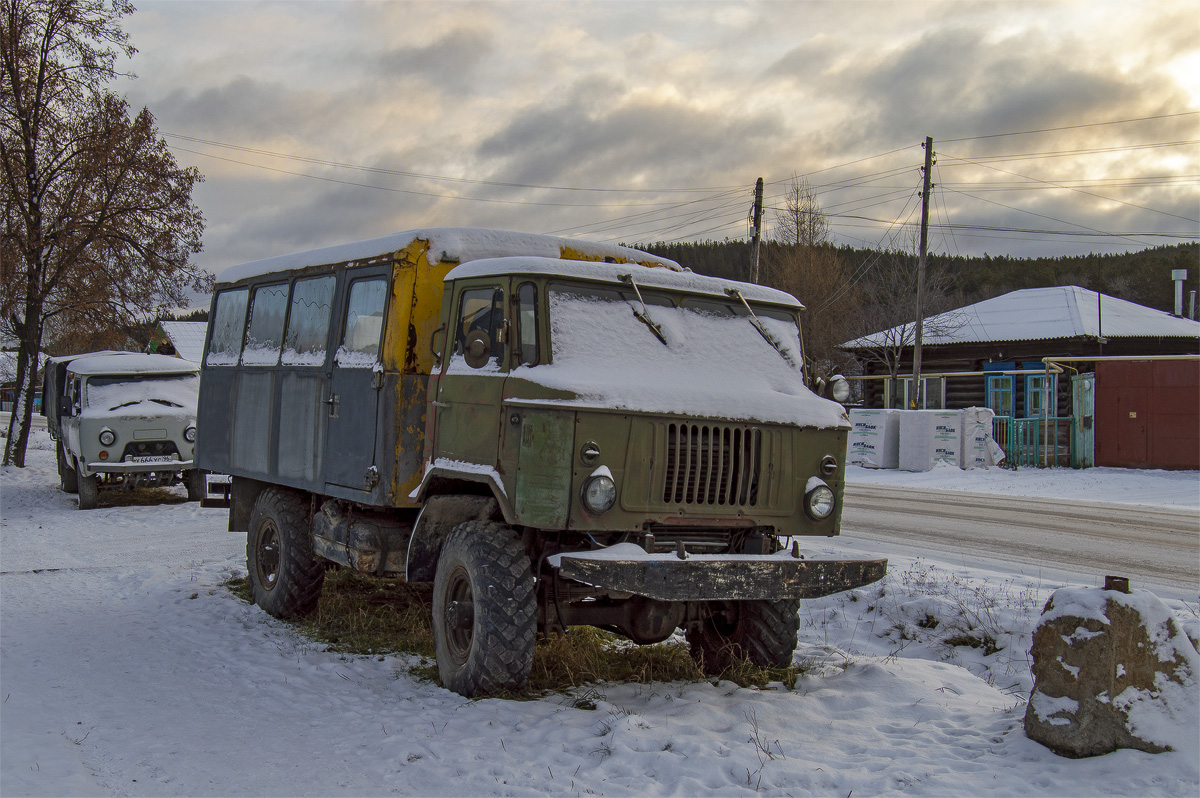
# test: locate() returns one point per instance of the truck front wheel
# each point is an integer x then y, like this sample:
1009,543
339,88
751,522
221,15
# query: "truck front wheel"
68,478
197,484
88,489
285,576
484,610
763,632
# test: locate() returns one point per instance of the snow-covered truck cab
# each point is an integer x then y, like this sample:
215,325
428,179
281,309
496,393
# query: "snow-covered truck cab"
122,420
553,433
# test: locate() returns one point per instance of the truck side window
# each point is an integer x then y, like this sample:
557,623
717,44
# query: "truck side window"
229,322
480,320
264,334
308,322
364,324
527,325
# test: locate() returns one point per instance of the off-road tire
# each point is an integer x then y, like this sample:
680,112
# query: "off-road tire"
285,576
488,649
197,484
88,489
763,632
68,478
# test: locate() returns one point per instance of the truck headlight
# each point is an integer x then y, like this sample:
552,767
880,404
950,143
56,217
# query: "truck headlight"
107,437
819,502
599,494
189,434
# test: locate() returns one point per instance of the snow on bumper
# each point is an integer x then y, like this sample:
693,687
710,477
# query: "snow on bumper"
731,577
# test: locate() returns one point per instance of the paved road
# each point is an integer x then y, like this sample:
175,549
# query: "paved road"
39,421
1158,548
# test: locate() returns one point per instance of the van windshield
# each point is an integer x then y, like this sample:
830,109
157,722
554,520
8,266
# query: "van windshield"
168,390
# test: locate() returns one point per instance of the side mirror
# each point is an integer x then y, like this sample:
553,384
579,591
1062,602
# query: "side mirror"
435,347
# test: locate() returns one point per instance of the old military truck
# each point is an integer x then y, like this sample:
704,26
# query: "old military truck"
553,433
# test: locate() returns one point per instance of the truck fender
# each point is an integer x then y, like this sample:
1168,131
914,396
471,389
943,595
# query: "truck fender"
437,518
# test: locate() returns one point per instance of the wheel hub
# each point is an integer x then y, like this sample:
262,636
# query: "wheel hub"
267,561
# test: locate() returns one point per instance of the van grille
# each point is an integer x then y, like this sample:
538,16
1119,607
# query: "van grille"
712,465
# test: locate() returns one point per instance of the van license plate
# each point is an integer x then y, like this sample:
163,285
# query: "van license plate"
150,458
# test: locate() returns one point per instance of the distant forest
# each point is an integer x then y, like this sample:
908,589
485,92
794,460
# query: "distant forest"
1143,277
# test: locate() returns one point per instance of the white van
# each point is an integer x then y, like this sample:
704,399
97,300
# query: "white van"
122,419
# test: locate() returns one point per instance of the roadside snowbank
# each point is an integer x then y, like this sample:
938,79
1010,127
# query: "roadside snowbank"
1121,485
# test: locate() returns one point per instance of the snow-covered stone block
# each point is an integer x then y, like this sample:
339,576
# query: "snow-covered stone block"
1112,670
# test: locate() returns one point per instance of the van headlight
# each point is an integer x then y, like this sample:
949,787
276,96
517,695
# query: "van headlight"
189,434
819,502
599,493
107,437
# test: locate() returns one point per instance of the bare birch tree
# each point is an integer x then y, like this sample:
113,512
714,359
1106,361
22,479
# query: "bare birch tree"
803,261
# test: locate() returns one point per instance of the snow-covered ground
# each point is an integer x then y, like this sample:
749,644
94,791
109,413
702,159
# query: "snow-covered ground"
126,669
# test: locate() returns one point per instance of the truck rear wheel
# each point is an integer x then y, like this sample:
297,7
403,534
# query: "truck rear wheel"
763,632
68,478
285,576
484,610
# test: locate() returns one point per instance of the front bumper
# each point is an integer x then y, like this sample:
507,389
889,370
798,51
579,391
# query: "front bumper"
120,467
716,577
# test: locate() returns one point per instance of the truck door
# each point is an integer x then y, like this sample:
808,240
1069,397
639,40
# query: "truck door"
471,382
357,375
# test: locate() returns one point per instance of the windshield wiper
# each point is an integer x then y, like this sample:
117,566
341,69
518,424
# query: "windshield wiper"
758,325
644,314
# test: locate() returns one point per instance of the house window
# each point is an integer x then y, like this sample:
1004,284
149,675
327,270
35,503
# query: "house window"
1034,395
933,393
1000,394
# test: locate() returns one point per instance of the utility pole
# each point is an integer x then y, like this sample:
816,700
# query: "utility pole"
915,401
756,229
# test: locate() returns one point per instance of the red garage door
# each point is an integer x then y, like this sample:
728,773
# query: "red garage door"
1148,414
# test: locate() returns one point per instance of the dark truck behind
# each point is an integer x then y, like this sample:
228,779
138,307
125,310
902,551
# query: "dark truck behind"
554,433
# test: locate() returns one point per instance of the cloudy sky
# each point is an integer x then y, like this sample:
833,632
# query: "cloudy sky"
316,123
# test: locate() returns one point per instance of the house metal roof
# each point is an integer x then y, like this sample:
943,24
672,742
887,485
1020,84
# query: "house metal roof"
187,337
1036,314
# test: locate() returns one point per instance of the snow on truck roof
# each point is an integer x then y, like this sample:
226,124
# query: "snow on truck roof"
130,363
613,272
459,244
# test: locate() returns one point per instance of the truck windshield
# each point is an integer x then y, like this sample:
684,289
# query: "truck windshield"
700,326
168,390
715,361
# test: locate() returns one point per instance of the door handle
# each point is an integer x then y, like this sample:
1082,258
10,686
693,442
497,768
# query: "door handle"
333,403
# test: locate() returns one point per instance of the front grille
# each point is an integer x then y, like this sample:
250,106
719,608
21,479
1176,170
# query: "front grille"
696,540
150,449
713,465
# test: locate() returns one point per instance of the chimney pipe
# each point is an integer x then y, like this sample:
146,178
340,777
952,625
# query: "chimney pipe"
1179,275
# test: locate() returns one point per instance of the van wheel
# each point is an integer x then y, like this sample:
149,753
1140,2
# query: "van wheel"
763,632
484,610
68,478
285,576
89,490
197,484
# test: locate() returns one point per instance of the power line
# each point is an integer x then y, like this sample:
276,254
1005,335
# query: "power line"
421,175
1071,127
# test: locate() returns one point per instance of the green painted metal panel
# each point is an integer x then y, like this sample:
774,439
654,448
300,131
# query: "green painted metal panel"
543,486
1083,401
